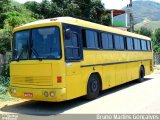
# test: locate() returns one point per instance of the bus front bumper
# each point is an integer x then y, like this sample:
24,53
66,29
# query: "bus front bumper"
39,94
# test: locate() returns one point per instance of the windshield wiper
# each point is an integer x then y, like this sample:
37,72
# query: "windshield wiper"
36,53
18,58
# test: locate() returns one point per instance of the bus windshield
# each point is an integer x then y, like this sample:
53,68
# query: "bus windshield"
39,43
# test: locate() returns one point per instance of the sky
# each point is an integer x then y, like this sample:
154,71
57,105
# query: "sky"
109,4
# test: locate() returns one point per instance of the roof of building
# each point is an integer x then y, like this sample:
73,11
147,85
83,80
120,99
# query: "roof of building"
116,12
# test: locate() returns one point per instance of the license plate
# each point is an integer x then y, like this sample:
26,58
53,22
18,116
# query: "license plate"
28,94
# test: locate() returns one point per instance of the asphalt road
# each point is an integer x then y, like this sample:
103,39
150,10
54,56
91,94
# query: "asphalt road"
131,97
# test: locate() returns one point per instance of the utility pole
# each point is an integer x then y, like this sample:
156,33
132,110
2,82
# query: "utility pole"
131,16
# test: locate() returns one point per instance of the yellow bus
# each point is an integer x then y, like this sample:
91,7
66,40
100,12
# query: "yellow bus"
64,58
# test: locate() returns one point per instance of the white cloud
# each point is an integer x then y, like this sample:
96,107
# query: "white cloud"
109,4
118,4
115,4
23,1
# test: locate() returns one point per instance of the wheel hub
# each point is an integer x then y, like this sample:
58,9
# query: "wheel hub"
94,86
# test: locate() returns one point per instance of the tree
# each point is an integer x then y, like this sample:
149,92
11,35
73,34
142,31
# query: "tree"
157,35
35,8
72,7
91,10
5,40
106,20
13,15
3,5
144,31
156,40
60,3
85,7
97,10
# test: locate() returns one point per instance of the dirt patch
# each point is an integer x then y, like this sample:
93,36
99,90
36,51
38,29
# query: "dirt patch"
7,103
157,69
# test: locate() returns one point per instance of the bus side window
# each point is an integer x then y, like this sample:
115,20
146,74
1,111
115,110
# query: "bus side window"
107,41
72,49
116,42
91,39
129,43
148,45
121,38
119,42
137,45
143,45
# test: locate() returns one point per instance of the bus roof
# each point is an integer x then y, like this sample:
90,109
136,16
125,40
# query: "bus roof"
78,22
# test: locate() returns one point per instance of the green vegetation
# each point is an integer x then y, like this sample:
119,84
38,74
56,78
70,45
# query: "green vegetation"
92,10
4,83
156,40
144,31
13,14
4,95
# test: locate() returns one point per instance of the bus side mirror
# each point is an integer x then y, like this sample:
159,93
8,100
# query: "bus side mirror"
67,34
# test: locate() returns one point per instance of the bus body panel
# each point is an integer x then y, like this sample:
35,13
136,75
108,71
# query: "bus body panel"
73,80
69,79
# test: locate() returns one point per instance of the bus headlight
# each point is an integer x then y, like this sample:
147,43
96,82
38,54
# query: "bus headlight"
46,94
13,90
52,94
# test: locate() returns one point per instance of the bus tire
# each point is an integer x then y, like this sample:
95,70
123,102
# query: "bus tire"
141,74
93,87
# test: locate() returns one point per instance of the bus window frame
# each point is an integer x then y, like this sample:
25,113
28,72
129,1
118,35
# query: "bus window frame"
132,44
149,45
73,47
80,42
123,41
134,38
102,43
30,39
84,38
142,40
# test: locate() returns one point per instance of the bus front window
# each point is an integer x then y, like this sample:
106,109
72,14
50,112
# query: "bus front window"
38,43
21,45
45,43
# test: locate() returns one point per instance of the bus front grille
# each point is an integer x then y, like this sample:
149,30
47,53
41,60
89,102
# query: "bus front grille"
30,80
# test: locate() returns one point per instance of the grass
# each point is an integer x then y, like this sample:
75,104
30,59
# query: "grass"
4,95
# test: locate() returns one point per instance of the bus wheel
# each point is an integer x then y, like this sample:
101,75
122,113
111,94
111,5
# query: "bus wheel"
141,75
93,87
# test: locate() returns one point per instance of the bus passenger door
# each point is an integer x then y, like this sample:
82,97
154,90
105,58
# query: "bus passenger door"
73,56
